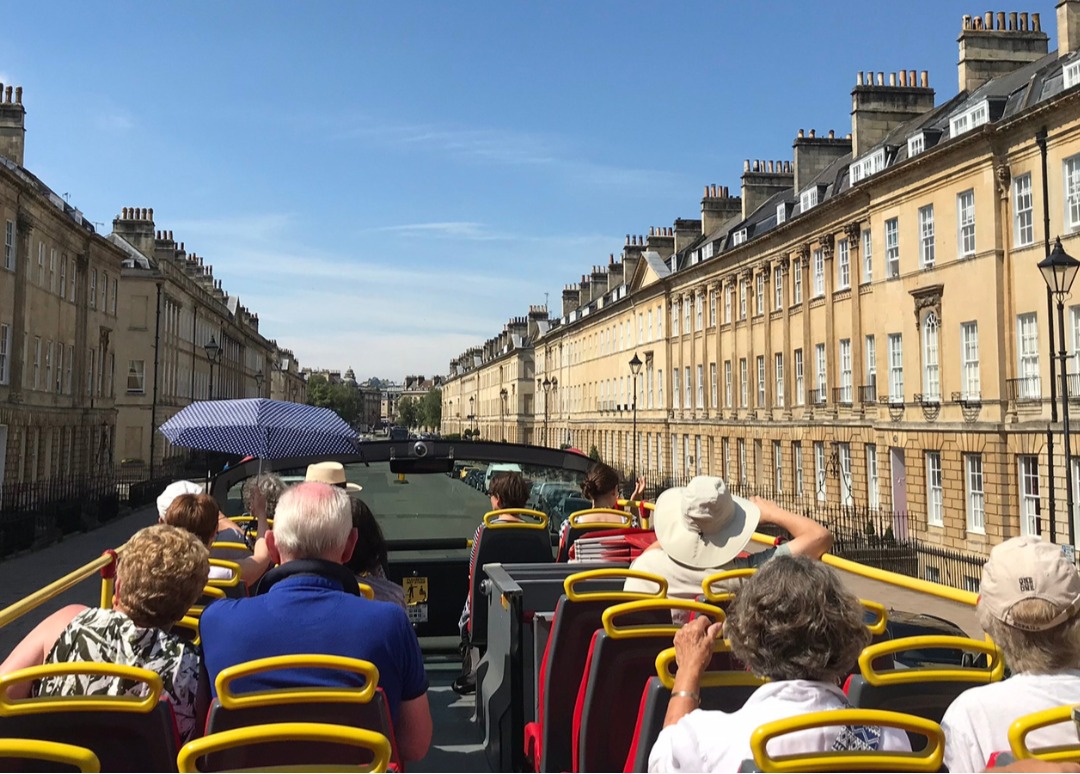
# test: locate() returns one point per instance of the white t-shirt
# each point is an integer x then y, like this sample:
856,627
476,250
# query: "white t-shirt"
685,582
706,740
977,722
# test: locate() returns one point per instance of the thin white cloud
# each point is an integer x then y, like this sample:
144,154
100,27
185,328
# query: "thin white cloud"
114,120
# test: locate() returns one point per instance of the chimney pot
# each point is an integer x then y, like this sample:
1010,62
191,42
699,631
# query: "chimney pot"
1012,20
181,247
7,95
715,191
801,133
903,77
813,133
123,213
627,239
746,165
858,82
151,210
881,79
706,194
832,134
967,22
988,20
1035,23
170,235
924,79
18,95
892,79
725,192
1023,21
1001,21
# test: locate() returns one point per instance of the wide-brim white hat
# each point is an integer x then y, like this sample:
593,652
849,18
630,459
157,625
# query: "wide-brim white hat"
332,473
702,525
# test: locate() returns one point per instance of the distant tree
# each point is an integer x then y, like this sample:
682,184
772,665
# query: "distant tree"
594,453
431,409
341,398
408,412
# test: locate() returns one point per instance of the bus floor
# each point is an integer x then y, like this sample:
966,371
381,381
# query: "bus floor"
457,742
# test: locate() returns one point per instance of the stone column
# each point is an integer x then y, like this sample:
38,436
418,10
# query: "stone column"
24,225
858,371
827,243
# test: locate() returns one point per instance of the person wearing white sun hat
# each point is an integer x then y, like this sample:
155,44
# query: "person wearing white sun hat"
702,528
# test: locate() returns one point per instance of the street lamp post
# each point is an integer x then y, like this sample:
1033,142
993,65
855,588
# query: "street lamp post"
503,394
259,379
635,369
213,354
472,413
548,385
1059,270
1040,140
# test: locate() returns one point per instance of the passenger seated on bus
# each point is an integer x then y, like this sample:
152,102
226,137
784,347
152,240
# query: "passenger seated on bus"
507,490
198,514
702,528
311,604
601,487
160,573
368,561
795,623
1029,604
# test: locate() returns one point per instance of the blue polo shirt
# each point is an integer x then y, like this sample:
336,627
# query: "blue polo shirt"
313,614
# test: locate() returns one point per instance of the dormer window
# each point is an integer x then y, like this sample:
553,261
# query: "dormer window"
973,117
867,166
707,251
1071,74
781,213
916,144
808,199
738,237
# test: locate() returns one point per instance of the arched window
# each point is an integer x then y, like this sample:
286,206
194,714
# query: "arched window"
931,374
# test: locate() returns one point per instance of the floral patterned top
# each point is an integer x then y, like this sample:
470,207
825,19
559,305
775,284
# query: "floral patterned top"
109,636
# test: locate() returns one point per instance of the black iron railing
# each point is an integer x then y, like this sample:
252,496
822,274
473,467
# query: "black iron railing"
868,393
1024,389
842,396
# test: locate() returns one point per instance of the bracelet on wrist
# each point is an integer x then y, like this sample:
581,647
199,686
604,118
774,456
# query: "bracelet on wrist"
692,695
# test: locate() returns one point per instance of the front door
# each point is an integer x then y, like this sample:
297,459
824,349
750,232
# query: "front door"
899,479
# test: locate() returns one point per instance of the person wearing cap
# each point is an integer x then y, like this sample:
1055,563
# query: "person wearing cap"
254,563
702,528
1029,601
332,473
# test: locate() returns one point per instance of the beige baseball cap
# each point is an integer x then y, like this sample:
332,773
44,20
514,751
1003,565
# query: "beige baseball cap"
1029,568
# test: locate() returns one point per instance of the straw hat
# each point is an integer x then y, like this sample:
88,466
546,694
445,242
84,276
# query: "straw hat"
332,473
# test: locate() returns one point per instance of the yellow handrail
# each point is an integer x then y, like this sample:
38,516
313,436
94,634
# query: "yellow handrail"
891,578
56,588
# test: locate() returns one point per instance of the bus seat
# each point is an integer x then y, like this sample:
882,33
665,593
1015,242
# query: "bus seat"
233,586
578,527
209,594
506,543
35,755
725,686
1021,727
577,615
605,709
304,740
126,733
922,691
363,708
928,758
187,628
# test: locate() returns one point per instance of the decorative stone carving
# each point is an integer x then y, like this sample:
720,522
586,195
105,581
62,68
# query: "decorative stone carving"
852,232
927,300
1003,177
827,243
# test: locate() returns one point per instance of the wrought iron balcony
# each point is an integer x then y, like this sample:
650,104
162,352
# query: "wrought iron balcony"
868,393
1025,389
842,395
819,397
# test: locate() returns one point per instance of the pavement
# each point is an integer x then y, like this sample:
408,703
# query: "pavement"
24,574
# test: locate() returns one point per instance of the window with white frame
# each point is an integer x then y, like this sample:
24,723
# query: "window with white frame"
37,362
699,311
976,498
701,386
974,116
650,379
47,383
9,246
819,359
744,384
797,467
686,315
725,450
648,324
59,379
845,371
105,291
5,353
965,223
70,365
819,273
659,322
916,144
52,270
969,362
760,294
868,165
738,237
1072,193
873,498
742,460
727,383
926,236
778,467
675,388
935,495
640,328
761,381
808,199
713,397
674,318
796,281
712,309
870,358
778,374
819,470
800,383
93,289
689,388
660,389
1070,74
867,256
1027,333
742,299
778,288
844,454
727,303
1029,493
41,263
136,380
707,250
1074,328
781,213
63,278
1023,221
931,372
892,248
896,368
843,265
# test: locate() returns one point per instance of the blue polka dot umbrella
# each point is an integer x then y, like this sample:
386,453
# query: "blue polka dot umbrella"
267,429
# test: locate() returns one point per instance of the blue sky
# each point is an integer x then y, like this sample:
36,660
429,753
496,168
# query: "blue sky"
387,183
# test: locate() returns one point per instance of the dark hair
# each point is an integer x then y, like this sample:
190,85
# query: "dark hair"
196,513
370,552
600,480
794,620
511,489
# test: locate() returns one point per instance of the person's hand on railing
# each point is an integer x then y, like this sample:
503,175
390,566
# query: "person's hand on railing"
639,489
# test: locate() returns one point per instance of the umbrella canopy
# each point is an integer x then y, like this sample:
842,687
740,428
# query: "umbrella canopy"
268,429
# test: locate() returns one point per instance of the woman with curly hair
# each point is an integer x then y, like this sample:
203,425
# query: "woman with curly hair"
794,623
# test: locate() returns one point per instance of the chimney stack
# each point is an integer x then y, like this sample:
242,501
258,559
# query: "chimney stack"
758,184
12,124
687,231
717,207
990,47
876,109
584,290
1068,26
814,154
136,226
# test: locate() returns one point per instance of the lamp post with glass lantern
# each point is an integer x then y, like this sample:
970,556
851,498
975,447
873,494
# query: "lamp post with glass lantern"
548,385
259,379
472,414
635,369
213,354
503,394
1059,270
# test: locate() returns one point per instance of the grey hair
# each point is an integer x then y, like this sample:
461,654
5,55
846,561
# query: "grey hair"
271,486
312,521
1035,652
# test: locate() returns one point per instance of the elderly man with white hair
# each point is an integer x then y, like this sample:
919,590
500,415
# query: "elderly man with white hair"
311,603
